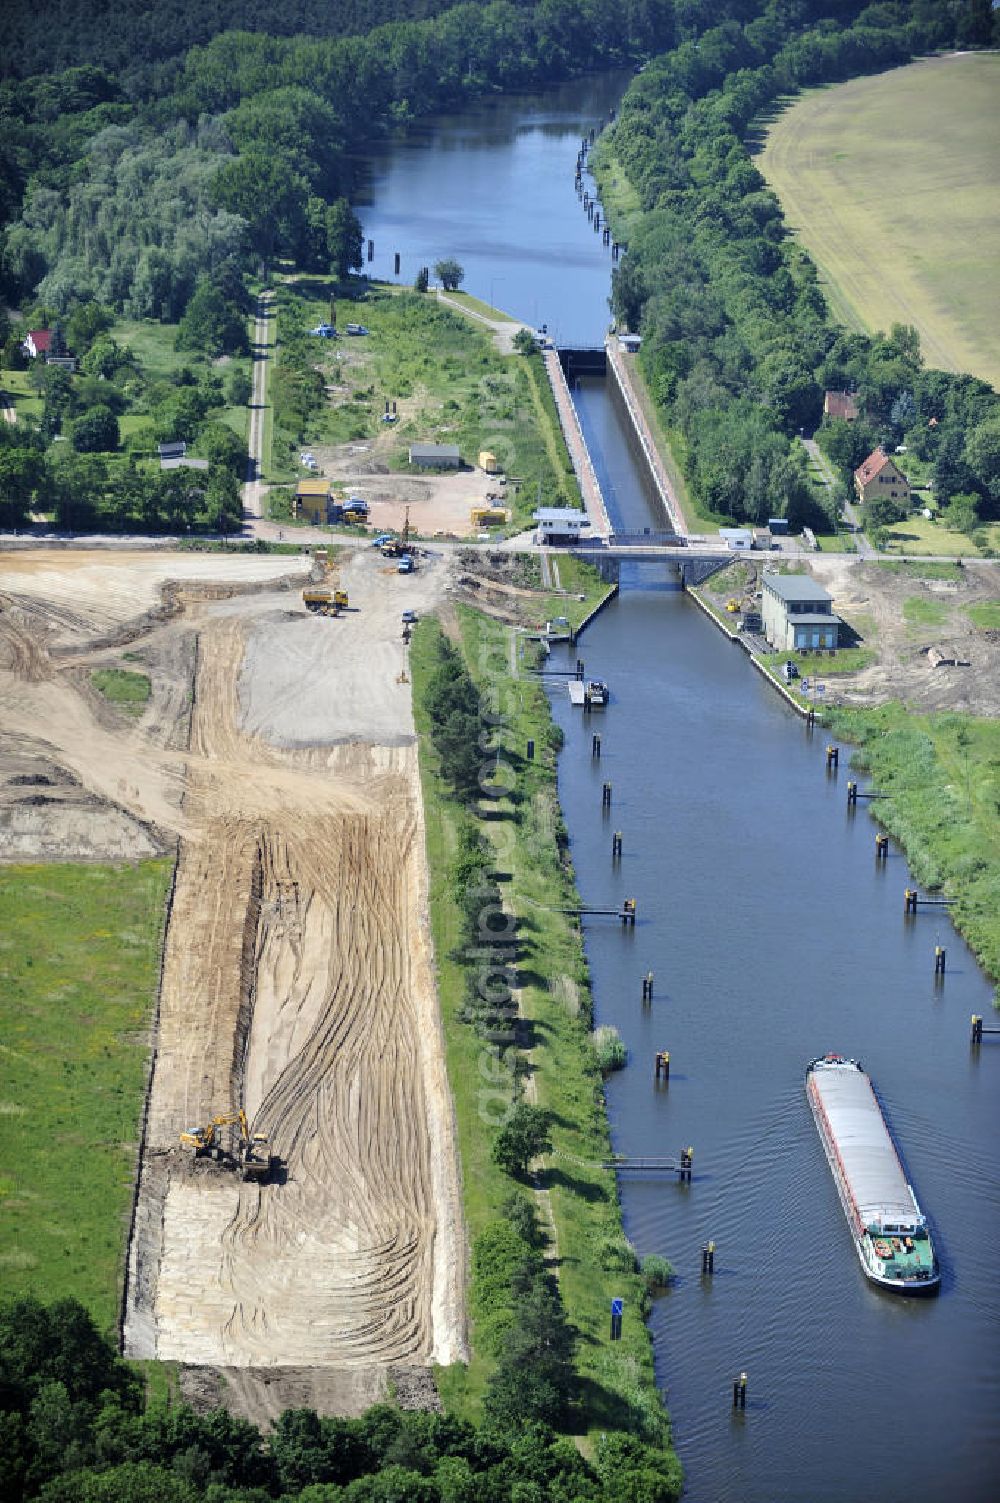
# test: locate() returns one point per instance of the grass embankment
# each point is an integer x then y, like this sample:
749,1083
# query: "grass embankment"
939,777
899,234
79,967
555,1055
122,687
449,383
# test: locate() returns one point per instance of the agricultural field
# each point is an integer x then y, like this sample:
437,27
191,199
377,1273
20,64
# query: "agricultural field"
891,184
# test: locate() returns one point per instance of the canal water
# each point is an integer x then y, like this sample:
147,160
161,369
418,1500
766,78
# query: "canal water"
772,936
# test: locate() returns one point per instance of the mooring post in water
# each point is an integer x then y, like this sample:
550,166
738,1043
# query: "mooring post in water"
616,846
939,958
852,795
810,717
708,1260
977,1029
881,847
647,987
579,669
832,757
687,1154
663,1071
614,250
740,1391
628,913
910,896
606,796
595,746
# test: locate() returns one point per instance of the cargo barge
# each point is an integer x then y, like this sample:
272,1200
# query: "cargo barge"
889,1230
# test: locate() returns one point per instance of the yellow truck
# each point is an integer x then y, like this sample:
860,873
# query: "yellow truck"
488,461
489,516
324,602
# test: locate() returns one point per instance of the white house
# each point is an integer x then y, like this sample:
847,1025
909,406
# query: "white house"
559,524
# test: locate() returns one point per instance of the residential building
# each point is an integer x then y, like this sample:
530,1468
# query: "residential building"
840,404
797,614
881,476
37,342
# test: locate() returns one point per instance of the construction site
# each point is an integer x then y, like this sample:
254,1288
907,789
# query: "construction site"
296,1235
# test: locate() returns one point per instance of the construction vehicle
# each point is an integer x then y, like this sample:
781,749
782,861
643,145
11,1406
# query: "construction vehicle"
253,1157
324,602
489,516
733,606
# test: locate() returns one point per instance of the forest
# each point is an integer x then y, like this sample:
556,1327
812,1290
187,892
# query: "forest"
159,190
739,345
78,1425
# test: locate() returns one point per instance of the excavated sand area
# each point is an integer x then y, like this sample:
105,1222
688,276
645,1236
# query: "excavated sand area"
298,983
277,755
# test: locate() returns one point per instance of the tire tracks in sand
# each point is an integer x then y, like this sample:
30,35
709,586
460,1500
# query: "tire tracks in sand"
298,982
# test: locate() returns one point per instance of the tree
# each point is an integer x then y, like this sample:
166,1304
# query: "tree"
212,324
883,511
22,473
534,1379
522,1138
85,323
525,342
223,447
422,280
239,387
982,455
449,274
96,432
344,238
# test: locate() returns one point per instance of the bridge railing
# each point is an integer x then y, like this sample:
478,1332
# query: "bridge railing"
646,539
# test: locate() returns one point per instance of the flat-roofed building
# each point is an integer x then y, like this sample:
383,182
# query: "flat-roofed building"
312,501
797,614
559,524
436,456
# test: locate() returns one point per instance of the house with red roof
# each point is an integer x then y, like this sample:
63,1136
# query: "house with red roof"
37,342
840,404
880,476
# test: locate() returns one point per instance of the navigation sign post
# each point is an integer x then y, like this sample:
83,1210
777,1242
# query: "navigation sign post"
617,1309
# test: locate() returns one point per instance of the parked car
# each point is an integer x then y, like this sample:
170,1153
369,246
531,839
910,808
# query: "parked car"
356,329
382,539
409,618
405,565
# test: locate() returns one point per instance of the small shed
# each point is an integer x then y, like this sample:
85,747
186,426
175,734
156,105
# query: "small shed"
436,456
312,501
630,343
559,524
175,449
778,526
739,539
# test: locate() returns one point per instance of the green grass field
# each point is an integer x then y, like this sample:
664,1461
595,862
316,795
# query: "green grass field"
891,184
79,968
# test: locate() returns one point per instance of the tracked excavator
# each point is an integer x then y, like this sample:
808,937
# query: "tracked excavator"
254,1158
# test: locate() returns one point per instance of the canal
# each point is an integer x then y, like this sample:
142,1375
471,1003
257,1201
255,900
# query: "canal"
772,935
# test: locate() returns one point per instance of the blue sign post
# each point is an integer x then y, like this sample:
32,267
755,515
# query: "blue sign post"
617,1310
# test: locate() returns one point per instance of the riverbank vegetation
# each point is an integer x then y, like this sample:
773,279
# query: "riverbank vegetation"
738,342
517,1027
938,778
79,968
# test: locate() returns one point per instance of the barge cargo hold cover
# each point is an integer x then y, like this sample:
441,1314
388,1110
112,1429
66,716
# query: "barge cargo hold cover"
888,1227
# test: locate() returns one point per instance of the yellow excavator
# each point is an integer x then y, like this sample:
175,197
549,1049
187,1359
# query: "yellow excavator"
254,1158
